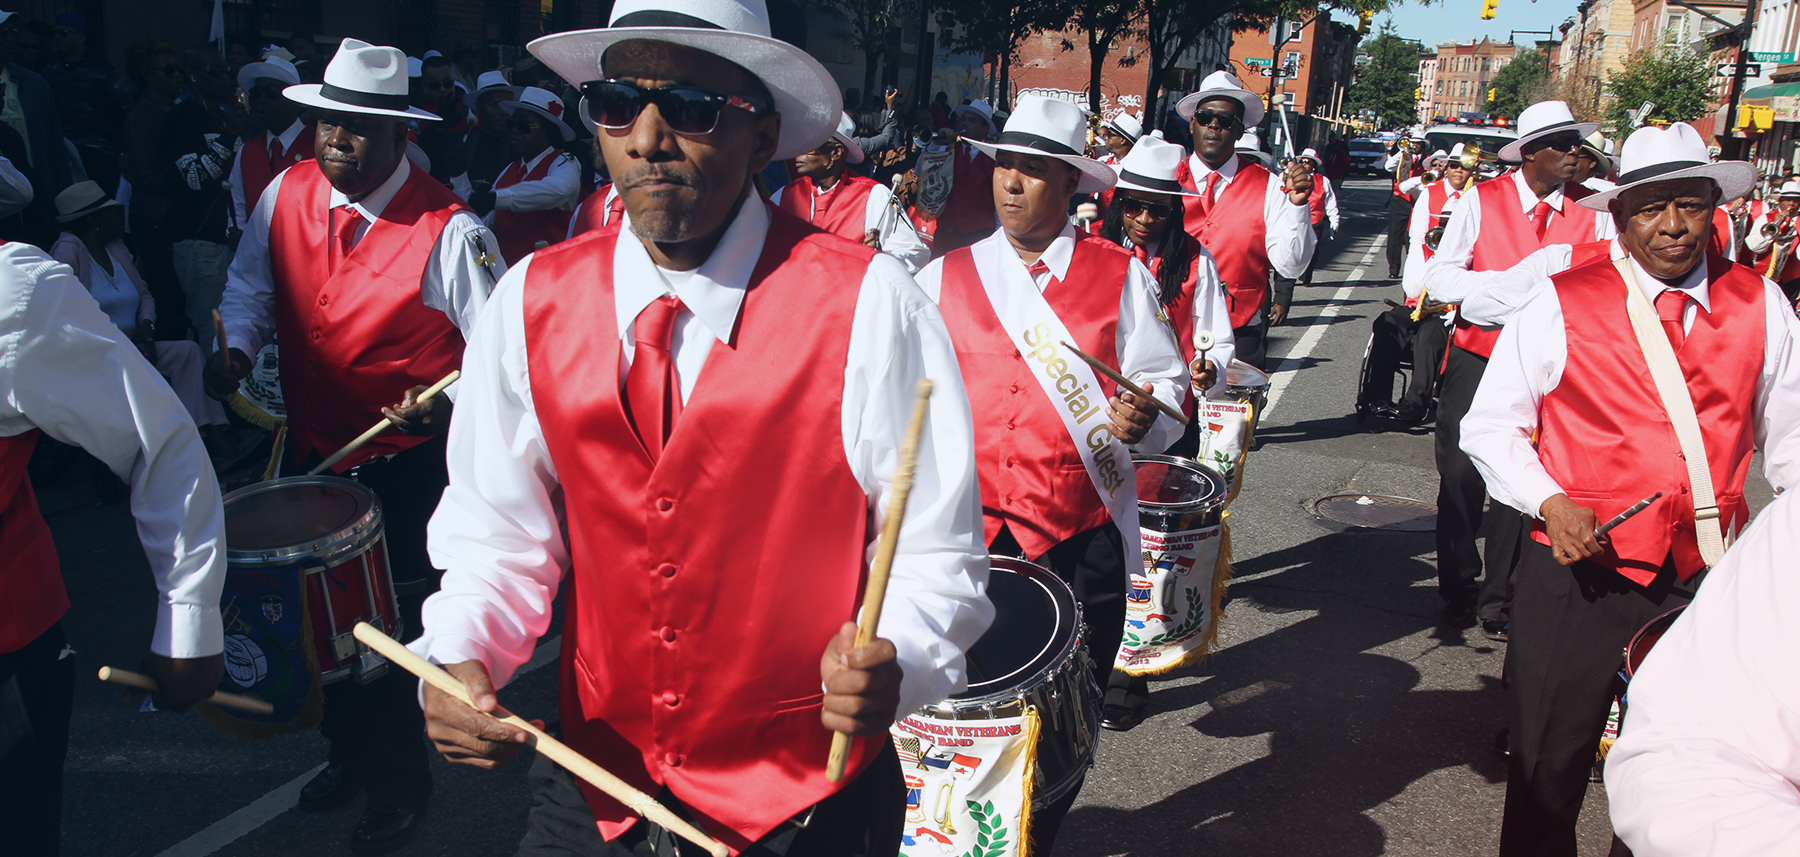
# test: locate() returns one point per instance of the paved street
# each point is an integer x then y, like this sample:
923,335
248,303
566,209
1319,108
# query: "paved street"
1338,719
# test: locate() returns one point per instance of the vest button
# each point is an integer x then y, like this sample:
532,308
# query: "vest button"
673,760
1009,425
667,569
664,504
1009,462
1014,388
668,634
317,336
324,300
671,698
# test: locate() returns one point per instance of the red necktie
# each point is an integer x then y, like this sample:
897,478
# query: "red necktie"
276,153
1670,306
343,233
652,392
1540,218
1141,252
1206,196
1037,268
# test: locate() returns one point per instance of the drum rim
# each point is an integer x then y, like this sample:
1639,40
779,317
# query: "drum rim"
1664,620
1062,653
331,547
1215,500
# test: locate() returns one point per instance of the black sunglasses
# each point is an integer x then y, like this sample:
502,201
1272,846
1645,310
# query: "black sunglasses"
263,92
216,70
1208,118
689,110
1133,208
520,124
1558,143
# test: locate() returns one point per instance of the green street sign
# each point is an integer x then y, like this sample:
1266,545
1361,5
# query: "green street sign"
1772,56
1265,61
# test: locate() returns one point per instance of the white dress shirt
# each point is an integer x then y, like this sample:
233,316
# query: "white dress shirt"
454,283
1412,279
65,369
1448,275
1708,764
898,237
15,189
1528,363
498,531
1288,237
558,189
1144,341
1212,312
241,207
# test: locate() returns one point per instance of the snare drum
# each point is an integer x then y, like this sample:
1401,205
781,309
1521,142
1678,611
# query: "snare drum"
1251,386
1177,494
1646,638
329,530
1033,657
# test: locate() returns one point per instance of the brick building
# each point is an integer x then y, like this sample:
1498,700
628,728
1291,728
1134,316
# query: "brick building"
1043,67
1462,75
1317,63
1428,66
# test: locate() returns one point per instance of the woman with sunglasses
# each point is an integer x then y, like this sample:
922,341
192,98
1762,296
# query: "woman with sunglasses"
535,196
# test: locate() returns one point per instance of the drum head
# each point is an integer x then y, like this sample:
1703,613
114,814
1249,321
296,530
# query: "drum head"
1034,623
1645,639
297,516
1171,485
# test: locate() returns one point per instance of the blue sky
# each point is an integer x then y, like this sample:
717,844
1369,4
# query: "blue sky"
1460,20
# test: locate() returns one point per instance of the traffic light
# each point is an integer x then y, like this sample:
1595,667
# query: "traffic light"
1364,20
1491,91
1419,94
1489,8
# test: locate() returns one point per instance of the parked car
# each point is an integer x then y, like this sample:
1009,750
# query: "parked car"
1368,156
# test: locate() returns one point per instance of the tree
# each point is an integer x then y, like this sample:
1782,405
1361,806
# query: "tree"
1101,21
994,27
1523,82
870,21
1389,83
1678,80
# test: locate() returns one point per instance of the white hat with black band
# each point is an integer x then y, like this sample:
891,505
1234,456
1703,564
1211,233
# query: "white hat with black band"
1127,124
362,78
1542,120
1152,165
80,200
1653,154
271,67
545,104
1222,84
846,136
1051,128
493,81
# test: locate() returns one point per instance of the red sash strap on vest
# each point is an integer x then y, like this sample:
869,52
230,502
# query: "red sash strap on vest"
356,337
520,231
1508,236
1234,230
1032,478
259,167
841,211
690,649
596,211
1605,438
32,597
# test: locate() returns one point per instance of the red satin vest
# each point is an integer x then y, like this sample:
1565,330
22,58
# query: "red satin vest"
968,215
1437,195
1032,479
1316,201
32,597
520,231
696,608
1507,237
595,211
356,339
257,172
841,211
1605,438
1236,234
1720,242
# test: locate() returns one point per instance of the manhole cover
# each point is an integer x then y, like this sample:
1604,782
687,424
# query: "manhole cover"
1378,512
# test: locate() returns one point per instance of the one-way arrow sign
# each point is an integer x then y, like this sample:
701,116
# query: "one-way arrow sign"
1752,69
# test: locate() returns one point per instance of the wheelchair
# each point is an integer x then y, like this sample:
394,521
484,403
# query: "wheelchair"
1371,391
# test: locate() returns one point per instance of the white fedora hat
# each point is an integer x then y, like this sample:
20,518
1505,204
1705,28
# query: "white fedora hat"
1311,154
1222,84
1250,142
1596,144
979,108
1653,154
1541,120
1789,188
545,104
1151,165
80,200
1054,129
272,67
1440,156
805,94
1130,125
846,134
362,78
493,81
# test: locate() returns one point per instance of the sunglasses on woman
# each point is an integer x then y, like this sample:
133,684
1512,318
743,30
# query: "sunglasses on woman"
521,125
689,110
1134,208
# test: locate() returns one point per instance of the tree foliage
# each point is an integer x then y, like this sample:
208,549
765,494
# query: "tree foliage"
1677,79
1388,83
869,24
1523,82
995,27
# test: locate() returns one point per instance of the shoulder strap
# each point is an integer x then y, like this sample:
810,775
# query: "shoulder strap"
1671,386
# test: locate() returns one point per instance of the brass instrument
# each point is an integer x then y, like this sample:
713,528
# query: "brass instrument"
1404,169
1783,250
1472,159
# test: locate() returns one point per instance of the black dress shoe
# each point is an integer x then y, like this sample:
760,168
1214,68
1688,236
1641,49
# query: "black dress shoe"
1118,718
383,829
1458,616
1408,412
1497,630
332,788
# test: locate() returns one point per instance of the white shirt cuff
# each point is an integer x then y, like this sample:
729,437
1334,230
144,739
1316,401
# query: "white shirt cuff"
188,631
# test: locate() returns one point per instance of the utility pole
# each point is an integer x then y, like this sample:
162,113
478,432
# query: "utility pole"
1737,82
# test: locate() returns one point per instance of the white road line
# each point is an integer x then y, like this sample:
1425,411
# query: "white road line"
264,809
1284,374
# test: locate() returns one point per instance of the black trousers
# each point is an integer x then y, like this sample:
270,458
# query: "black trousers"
376,730
1396,336
1399,218
1569,627
1319,231
1508,530
1253,343
1462,495
37,696
864,819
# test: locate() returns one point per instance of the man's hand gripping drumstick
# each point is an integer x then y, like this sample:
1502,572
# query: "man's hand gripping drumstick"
421,412
468,725
862,673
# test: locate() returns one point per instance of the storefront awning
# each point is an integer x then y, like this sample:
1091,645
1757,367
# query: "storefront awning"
1761,96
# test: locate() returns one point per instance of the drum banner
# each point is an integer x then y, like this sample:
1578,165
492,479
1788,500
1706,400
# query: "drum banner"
968,785
1172,605
937,172
1224,432
268,653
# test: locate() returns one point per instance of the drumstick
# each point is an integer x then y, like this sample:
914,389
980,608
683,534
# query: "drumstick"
1626,515
1122,381
382,426
875,592
557,751
219,697
219,331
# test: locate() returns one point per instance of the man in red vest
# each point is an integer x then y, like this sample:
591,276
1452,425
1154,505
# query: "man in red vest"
829,196
68,373
1408,157
261,158
703,409
1251,220
1650,373
1492,229
1775,230
371,273
535,195
1053,441
955,203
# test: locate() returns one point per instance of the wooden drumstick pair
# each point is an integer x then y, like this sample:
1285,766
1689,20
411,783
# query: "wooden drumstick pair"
228,700
1125,382
382,426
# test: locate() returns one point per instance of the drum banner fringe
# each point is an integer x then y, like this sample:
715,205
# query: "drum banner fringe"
268,654
968,784
1172,619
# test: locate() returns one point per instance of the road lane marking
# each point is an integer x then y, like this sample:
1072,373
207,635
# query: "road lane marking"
1315,332
265,809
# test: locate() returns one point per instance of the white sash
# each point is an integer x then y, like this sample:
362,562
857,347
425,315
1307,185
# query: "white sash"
1036,331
